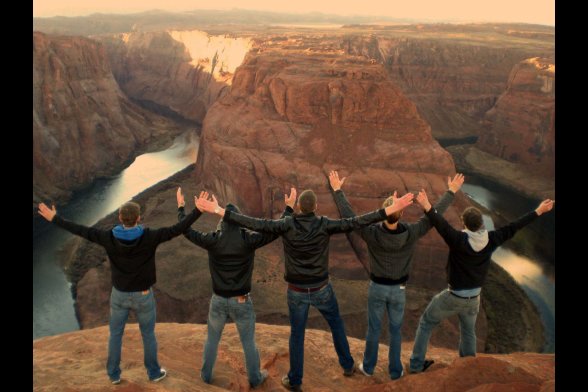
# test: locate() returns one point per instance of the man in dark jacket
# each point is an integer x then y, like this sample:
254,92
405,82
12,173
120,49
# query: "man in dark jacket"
390,245
306,252
131,250
470,251
231,252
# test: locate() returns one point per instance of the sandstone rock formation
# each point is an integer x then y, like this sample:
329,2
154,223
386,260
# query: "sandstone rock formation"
522,123
84,126
300,107
177,72
75,361
453,82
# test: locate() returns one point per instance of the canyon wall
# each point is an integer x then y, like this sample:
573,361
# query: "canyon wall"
522,122
180,73
84,126
452,83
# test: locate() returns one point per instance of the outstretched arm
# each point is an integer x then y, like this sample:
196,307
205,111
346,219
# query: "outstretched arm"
265,225
89,233
349,224
204,240
342,203
453,185
507,232
449,234
167,233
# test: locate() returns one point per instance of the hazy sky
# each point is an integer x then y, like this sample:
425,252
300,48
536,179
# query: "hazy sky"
528,11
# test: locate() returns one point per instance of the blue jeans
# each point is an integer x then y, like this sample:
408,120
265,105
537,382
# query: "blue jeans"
442,306
243,315
392,298
326,302
121,303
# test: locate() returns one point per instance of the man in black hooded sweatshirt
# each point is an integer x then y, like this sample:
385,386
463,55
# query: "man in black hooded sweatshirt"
231,251
131,251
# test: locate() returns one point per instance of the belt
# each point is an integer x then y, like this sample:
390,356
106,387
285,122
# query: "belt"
459,296
306,290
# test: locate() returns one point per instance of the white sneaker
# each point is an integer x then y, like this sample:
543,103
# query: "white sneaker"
363,371
161,376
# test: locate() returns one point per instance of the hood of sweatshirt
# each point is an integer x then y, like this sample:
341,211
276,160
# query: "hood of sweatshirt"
226,226
477,239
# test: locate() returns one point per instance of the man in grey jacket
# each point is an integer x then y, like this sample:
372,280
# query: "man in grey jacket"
390,245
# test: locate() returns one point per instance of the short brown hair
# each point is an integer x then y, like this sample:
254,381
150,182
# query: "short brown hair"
395,216
129,213
472,218
307,201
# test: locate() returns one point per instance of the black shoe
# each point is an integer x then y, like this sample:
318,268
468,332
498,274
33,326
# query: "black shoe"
349,372
427,363
287,385
161,376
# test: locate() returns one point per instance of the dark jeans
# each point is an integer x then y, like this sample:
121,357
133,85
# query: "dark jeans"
326,302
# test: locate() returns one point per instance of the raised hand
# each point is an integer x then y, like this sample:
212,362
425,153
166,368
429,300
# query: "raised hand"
46,212
180,197
400,203
334,180
545,206
423,200
455,184
204,204
290,200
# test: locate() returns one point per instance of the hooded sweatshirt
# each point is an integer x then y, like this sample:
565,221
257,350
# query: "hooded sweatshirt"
131,251
231,252
470,252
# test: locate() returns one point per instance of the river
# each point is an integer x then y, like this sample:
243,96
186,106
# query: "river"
535,273
53,305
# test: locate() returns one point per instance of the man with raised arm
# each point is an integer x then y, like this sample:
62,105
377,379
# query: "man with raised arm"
470,251
231,252
391,245
306,253
131,251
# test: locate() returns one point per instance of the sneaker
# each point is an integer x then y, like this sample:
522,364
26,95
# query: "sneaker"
115,382
401,374
427,363
161,376
263,378
363,371
349,372
287,385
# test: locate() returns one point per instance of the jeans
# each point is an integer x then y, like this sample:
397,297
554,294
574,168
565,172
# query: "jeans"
444,305
391,298
326,302
121,303
243,315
